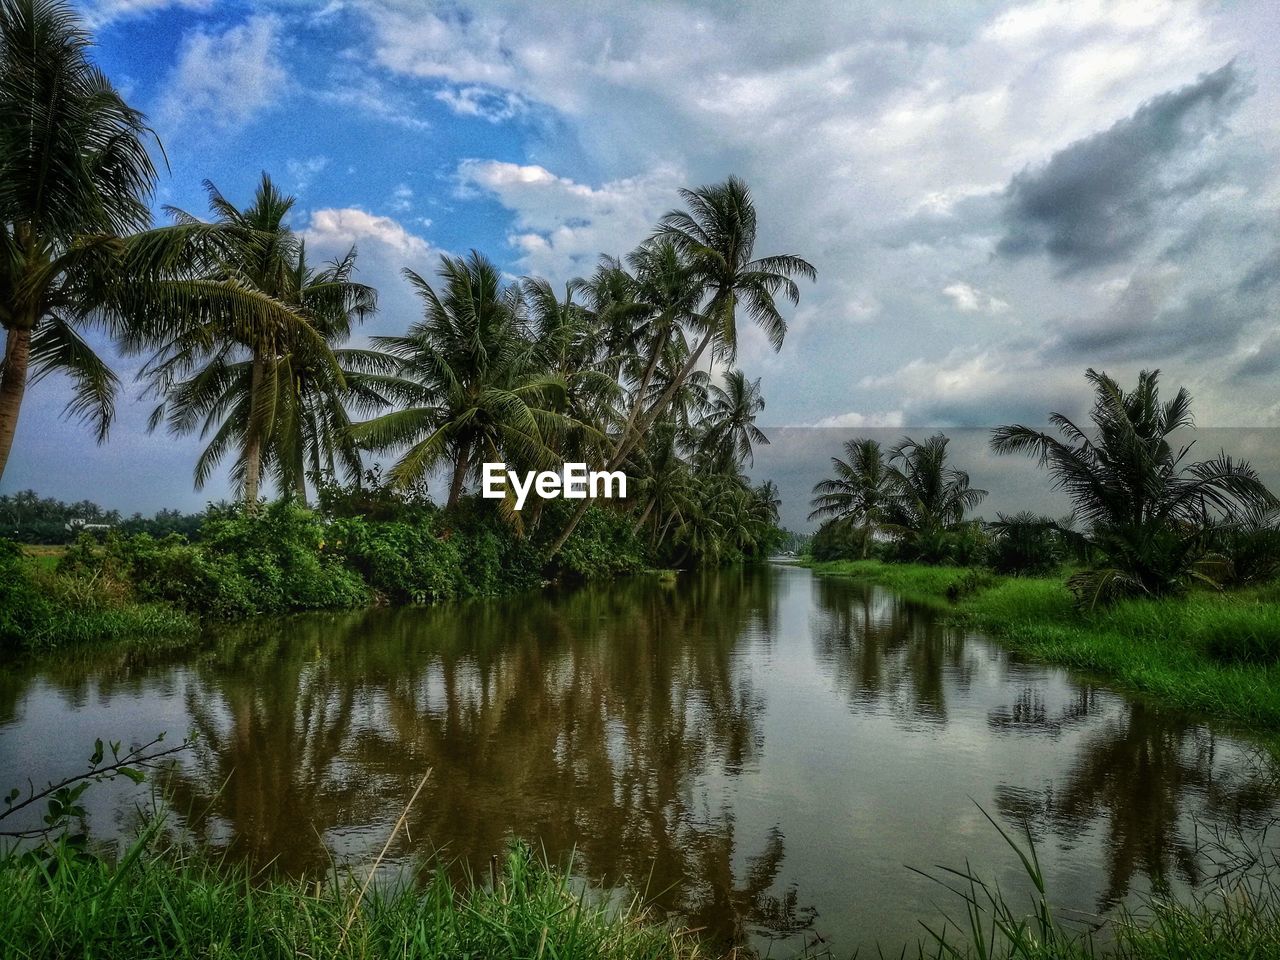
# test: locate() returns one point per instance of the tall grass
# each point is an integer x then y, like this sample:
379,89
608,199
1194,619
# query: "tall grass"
154,907
1236,918
1213,653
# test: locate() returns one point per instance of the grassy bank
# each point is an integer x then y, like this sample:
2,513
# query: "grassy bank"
1209,652
156,908
162,908
284,559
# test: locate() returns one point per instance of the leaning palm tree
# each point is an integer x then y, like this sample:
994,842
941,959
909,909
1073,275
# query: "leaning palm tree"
928,498
858,493
472,380
730,431
1145,508
716,237
199,370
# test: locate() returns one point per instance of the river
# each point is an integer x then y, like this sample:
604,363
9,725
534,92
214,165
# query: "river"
762,752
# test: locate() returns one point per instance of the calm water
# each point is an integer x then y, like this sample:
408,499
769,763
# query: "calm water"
764,751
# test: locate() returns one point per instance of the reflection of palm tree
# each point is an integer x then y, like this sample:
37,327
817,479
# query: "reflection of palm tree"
885,650
271,732
1139,771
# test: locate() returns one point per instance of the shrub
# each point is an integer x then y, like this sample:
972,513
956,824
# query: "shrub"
1025,544
402,562
603,545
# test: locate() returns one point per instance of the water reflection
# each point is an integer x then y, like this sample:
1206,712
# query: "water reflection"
759,751
1145,776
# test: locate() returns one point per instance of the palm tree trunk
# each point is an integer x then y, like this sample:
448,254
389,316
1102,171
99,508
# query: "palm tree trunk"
459,476
13,385
253,435
624,448
644,516
639,400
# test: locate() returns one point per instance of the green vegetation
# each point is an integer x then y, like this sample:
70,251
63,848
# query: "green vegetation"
1237,918
1214,653
1148,514
168,907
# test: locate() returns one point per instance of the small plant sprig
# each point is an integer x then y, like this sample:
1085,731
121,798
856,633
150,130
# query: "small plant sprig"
63,798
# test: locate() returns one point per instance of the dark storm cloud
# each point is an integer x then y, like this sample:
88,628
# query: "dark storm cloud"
1096,200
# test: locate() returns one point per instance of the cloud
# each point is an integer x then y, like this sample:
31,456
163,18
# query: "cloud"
969,299
495,106
562,226
1095,201
351,87
225,79
101,13
302,172
881,419
336,229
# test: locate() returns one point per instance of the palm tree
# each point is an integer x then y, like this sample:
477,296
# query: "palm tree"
858,493
928,499
238,374
473,380
74,176
1145,507
730,421
716,238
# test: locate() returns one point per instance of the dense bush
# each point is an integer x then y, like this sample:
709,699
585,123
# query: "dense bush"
1025,544
45,608
838,540
603,545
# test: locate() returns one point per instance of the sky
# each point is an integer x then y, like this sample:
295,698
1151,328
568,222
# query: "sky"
996,196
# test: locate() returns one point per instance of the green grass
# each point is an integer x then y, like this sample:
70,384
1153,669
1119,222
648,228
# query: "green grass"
1208,652
157,907
1236,916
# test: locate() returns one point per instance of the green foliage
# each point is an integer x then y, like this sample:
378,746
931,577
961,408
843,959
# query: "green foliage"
155,906
1146,509
603,545
42,608
1207,651
1025,544
22,606
840,540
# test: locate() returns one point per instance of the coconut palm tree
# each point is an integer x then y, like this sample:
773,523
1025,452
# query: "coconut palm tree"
927,498
237,376
729,425
1145,507
473,379
74,174
716,237
858,493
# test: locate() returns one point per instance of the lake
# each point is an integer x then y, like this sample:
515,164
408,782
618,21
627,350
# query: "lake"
763,752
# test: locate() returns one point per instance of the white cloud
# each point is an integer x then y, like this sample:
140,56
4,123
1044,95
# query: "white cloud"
882,419
495,106
100,13
334,230
562,226
225,79
302,172
969,299
878,140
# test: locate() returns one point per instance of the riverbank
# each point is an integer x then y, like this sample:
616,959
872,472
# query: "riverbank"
1212,653
150,908
283,559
